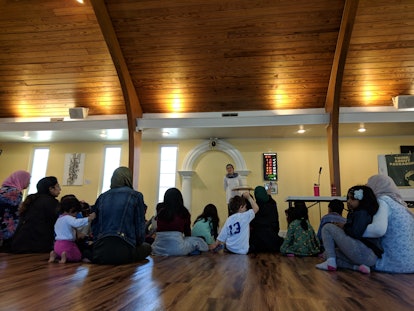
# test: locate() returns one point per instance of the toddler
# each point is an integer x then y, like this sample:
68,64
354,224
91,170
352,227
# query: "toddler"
65,246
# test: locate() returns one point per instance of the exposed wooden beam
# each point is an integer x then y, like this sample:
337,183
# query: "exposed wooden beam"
334,89
132,104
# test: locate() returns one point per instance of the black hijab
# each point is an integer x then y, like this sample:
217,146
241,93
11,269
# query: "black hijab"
45,183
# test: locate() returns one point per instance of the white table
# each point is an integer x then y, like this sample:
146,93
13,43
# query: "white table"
314,200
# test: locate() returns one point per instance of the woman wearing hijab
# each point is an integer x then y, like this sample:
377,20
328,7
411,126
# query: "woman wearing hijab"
37,217
11,194
264,234
173,237
394,223
119,227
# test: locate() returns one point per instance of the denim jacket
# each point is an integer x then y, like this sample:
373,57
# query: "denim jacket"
120,212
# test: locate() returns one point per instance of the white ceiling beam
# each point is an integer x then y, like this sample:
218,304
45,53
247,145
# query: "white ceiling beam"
271,118
106,122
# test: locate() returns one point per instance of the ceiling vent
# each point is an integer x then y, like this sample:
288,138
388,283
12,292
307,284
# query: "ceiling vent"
78,112
403,101
230,114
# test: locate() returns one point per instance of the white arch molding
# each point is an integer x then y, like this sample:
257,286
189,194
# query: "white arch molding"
187,170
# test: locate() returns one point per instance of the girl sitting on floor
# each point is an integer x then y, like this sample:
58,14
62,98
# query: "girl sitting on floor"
206,225
300,238
345,247
65,246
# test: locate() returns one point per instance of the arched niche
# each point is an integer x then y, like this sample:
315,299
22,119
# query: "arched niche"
187,170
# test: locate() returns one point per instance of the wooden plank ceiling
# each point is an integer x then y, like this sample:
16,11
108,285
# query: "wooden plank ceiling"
200,55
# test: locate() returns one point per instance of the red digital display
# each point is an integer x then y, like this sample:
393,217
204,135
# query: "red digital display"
270,166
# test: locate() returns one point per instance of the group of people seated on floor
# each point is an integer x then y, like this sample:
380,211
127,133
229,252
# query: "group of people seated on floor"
377,234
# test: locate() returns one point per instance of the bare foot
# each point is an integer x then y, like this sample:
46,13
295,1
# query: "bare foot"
63,258
52,256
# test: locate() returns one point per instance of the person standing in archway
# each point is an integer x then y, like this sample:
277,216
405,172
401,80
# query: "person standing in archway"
231,180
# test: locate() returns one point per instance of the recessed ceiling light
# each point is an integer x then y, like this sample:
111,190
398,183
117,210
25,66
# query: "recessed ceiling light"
362,128
301,130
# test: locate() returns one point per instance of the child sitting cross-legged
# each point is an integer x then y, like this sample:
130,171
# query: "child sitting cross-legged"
235,233
345,246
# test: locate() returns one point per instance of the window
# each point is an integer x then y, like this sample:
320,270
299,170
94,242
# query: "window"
112,159
39,166
168,167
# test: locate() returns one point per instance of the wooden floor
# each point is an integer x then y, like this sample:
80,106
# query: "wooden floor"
205,282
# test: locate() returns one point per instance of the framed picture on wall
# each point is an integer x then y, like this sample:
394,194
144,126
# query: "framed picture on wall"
400,167
272,186
73,169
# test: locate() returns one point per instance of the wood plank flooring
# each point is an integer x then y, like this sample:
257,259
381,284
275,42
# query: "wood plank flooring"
205,282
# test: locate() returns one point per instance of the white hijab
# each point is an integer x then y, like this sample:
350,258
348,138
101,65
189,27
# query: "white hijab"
385,185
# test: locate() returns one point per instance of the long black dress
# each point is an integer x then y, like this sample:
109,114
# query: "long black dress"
35,232
264,234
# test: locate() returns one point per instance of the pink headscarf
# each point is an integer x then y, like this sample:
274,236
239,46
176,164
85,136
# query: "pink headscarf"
385,185
19,180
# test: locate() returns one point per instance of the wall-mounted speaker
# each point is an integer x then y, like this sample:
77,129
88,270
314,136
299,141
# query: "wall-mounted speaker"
78,112
403,101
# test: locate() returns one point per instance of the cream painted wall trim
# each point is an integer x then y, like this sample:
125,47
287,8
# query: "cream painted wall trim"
187,168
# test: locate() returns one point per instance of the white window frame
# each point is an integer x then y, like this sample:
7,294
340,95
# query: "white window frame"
38,167
167,168
109,166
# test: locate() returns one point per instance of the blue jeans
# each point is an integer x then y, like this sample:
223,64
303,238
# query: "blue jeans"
174,243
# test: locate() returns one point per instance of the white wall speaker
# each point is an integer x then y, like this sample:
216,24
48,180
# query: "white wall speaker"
78,112
403,101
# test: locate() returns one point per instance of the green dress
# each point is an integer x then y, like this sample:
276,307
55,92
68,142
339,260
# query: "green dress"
299,241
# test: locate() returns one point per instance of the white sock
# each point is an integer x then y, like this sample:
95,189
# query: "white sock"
328,265
331,261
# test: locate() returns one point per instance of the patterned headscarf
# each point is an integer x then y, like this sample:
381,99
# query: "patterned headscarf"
45,183
122,177
385,185
19,180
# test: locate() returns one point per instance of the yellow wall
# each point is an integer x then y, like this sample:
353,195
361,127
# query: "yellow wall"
298,166
19,156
